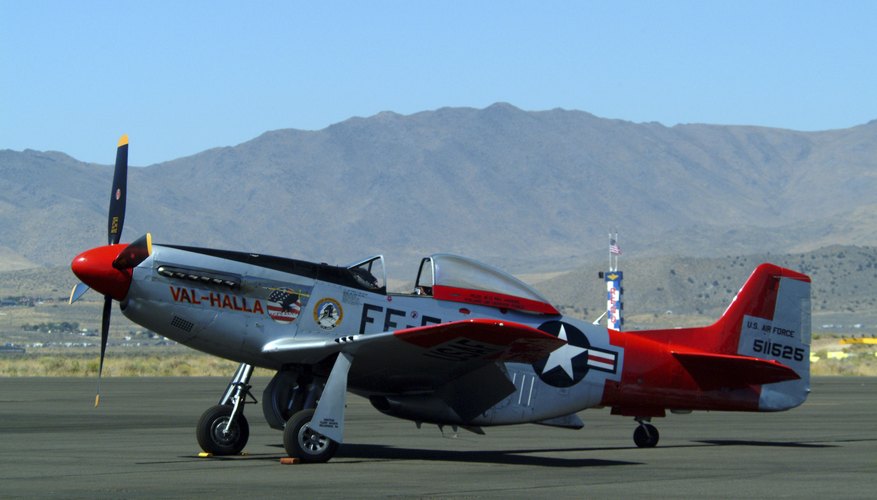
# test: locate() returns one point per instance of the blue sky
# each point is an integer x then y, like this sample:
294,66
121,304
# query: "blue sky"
183,76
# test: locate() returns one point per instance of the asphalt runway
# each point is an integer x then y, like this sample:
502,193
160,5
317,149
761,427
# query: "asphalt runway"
141,443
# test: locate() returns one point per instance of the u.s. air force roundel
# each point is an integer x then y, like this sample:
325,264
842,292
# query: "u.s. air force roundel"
569,364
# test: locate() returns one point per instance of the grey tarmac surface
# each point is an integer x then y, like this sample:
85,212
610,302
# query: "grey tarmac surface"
141,443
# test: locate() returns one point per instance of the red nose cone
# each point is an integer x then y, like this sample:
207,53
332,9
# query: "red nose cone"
95,268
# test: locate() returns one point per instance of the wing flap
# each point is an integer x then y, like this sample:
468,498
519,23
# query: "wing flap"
712,370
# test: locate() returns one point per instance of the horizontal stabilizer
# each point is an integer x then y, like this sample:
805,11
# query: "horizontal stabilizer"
725,370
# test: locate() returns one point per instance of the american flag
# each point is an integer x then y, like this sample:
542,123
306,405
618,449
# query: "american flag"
284,305
614,249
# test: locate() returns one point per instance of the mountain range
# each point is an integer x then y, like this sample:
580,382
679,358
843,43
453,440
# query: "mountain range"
524,190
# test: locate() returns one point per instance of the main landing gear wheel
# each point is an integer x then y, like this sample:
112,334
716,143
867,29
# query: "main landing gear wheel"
212,435
646,436
304,443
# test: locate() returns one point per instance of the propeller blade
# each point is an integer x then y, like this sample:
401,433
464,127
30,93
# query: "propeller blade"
116,217
78,291
104,336
135,253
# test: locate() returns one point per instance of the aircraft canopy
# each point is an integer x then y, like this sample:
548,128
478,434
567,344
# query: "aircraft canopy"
460,279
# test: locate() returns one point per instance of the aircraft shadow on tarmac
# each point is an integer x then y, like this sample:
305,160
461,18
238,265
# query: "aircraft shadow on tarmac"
771,444
374,452
527,457
503,457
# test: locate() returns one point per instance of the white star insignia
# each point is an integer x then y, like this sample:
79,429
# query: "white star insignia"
562,356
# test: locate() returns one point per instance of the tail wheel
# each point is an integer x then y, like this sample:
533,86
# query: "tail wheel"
304,443
646,436
213,436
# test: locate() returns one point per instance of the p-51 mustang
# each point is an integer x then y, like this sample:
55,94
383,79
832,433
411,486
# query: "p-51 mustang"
471,346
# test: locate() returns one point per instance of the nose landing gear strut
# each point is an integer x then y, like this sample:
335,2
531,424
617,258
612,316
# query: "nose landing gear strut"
223,429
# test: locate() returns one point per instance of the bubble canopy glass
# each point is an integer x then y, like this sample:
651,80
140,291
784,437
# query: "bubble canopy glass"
461,279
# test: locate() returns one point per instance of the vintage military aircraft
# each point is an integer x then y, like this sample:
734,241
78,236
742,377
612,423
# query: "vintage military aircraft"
470,346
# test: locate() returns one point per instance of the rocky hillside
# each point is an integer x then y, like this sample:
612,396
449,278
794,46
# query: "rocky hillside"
524,190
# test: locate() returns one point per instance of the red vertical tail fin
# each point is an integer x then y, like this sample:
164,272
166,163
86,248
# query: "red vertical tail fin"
769,319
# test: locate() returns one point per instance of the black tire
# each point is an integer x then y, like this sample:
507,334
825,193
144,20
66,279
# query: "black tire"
304,443
211,435
646,436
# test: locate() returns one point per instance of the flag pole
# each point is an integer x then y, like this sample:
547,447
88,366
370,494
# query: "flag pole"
614,290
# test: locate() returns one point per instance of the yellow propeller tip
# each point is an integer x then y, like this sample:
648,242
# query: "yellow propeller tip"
96,400
123,141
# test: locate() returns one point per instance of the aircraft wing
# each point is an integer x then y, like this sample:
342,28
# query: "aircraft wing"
457,361
484,339
436,352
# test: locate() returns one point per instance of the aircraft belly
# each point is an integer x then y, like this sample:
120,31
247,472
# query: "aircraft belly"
569,383
533,400
570,380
